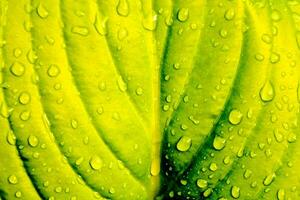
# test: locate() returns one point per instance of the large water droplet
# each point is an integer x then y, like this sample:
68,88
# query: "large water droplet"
219,143
41,11
123,8
80,30
267,92
33,141
24,98
121,84
235,192
12,179
235,117
100,25
96,163
201,183
17,69
184,143
183,14
281,194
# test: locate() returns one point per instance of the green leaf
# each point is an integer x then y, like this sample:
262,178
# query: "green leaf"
149,99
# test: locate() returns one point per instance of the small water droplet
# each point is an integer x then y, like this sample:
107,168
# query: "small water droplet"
235,117
74,124
281,194
269,179
229,14
275,15
33,141
96,163
267,92
213,166
123,8
24,98
155,167
183,14
235,192
122,34
25,115
121,84
17,52
274,58
12,179
139,91
247,173
42,11
150,21
17,69
11,138
184,143
80,30
53,71
201,183
100,25
31,56
266,38
219,143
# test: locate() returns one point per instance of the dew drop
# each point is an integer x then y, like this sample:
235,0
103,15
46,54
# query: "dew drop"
11,138
122,34
184,143
139,91
269,179
24,98
219,143
274,58
155,167
100,25
123,8
235,117
33,141
31,56
183,14
213,166
74,124
275,15
53,71
229,14
17,52
17,69
121,84
281,194
247,173
267,92
201,183
41,11
235,192
150,21
25,115
96,163
80,30
12,179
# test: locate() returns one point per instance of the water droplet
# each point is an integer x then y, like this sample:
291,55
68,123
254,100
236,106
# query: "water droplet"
25,115
259,57
184,143
122,34
41,11
18,194
267,92
53,71
155,167
274,58
96,163
80,30
74,123
139,91
213,166
266,38
17,69
235,192
100,25
183,14
278,136
247,173
24,98
219,143
31,56
275,15
12,179
269,179
201,183
123,8
11,138
150,21
17,52
229,14
223,33
207,192
226,160
235,117
33,141
281,194
121,84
